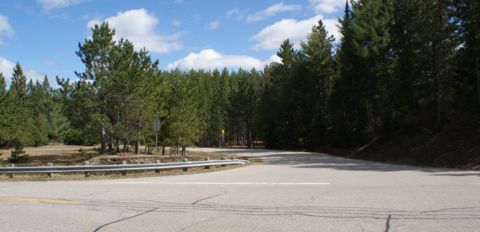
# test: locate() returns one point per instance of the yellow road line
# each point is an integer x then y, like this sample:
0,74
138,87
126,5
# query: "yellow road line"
35,200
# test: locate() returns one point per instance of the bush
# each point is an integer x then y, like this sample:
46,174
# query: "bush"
73,137
85,153
18,156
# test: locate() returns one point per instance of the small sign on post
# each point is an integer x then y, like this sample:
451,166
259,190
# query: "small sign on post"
157,125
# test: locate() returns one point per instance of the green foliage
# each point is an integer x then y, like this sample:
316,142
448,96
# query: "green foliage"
75,137
85,153
18,155
400,67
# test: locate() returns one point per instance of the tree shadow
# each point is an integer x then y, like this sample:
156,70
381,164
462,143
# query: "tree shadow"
319,160
458,174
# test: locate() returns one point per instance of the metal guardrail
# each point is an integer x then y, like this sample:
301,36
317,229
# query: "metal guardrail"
118,167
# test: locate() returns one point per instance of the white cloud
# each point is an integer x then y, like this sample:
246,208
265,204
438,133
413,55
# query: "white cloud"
232,12
273,59
209,59
327,6
5,28
6,67
271,11
213,25
138,26
53,4
236,13
176,23
272,36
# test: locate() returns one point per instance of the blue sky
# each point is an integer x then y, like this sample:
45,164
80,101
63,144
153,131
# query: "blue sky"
43,35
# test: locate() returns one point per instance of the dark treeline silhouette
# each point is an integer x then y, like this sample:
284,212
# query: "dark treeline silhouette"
401,67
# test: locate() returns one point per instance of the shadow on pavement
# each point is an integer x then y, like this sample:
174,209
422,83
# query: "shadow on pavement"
318,160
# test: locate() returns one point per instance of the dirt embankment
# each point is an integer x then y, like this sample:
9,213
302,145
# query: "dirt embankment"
453,148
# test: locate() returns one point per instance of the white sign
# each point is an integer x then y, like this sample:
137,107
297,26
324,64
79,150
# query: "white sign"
157,125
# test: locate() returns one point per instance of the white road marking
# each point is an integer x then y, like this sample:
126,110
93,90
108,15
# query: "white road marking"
216,183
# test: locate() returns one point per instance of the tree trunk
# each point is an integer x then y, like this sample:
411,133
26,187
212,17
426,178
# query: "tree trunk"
250,139
439,64
477,73
137,145
102,140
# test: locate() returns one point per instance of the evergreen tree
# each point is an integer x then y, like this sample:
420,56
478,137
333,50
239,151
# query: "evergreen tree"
318,83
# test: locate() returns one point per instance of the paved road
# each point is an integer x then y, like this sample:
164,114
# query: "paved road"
290,191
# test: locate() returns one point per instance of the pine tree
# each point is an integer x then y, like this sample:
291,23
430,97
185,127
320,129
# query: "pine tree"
17,112
95,53
3,106
318,83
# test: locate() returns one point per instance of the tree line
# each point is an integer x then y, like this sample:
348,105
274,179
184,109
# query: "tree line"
401,67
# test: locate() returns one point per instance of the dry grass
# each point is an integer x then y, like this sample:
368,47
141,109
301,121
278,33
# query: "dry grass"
71,155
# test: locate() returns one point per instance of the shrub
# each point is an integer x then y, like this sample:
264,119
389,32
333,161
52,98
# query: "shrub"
18,155
73,137
85,153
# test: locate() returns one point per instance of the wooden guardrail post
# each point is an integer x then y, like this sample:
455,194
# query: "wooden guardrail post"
124,173
157,170
185,169
50,164
87,163
11,174
207,159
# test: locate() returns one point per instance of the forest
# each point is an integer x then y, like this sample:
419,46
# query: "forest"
403,71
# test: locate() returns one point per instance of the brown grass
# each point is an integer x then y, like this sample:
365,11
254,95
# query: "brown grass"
71,155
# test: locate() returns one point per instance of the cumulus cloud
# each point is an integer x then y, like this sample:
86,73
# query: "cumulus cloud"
213,25
271,11
272,36
327,6
210,59
5,29
6,68
54,4
273,59
138,26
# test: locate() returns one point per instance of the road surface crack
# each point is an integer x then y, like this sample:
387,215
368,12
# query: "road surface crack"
124,219
387,226
206,198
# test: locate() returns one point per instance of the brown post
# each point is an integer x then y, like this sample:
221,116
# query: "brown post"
157,170
124,173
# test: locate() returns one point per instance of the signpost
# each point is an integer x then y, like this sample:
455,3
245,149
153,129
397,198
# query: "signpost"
157,126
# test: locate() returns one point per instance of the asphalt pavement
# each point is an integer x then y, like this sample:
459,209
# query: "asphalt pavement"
289,191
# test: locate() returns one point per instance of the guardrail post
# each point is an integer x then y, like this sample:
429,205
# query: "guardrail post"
157,170
185,169
11,174
223,165
50,164
87,163
124,173
207,159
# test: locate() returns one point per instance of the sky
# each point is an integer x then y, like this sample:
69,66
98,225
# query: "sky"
43,35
